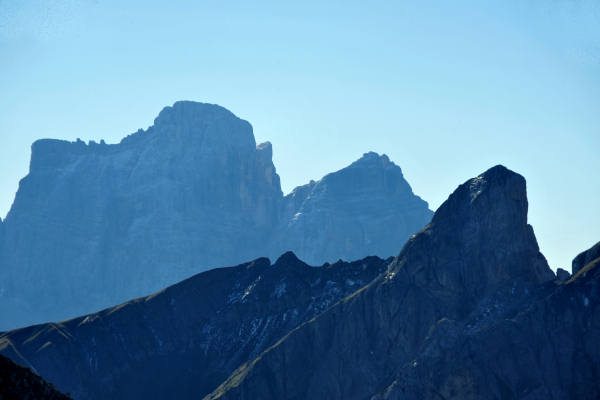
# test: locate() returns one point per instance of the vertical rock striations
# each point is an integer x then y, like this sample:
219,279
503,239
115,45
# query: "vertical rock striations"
343,214
93,224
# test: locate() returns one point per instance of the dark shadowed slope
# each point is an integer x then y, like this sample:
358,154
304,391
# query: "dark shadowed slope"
183,341
547,348
94,225
18,383
469,309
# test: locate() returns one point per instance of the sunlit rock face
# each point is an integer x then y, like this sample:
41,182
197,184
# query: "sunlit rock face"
96,224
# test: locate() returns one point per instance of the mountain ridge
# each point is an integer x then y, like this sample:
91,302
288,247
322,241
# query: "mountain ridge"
96,224
198,330
360,346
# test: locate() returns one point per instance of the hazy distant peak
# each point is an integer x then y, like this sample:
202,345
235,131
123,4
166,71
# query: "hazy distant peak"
184,111
372,157
265,148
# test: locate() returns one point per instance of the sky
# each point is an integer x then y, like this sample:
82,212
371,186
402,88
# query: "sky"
445,89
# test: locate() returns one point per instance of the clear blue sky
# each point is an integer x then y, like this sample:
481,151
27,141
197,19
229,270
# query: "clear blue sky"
446,89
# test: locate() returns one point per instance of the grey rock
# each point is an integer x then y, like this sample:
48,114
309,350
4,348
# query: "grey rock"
342,215
93,225
584,258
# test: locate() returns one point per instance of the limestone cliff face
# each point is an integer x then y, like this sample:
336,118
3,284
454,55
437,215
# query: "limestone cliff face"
457,291
342,215
94,224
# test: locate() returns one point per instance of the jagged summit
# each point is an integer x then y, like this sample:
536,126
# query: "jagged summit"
181,342
288,259
192,118
352,205
494,190
469,266
372,157
481,238
193,191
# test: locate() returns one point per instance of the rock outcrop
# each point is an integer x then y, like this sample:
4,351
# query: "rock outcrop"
185,340
468,310
342,215
562,275
17,383
584,258
95,224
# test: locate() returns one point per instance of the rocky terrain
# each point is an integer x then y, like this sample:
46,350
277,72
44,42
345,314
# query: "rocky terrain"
468,310
353,204
19,383
184,341
96,224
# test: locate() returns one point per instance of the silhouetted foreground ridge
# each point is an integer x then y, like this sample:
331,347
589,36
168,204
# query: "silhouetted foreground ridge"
184,341
468,310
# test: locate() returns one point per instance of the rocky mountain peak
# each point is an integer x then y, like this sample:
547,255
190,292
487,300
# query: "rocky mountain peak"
191,192
351,205
288,259
498,194
372,157
475,265
478,238
267,147
209,127
182,112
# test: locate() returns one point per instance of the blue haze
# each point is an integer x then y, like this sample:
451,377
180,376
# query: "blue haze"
446,90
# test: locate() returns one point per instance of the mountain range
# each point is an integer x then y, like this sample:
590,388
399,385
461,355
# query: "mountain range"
468,309
96,224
